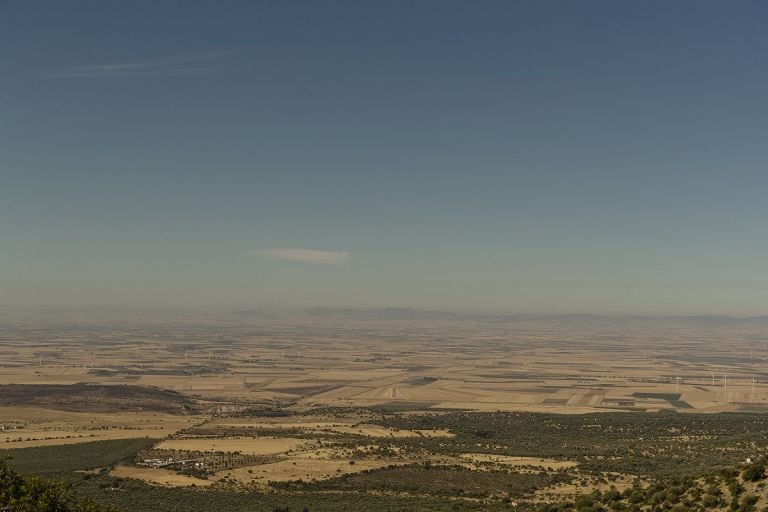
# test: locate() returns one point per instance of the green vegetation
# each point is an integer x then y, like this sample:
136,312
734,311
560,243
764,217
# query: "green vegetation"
444,481
639,462
63,460
136,496
67,461
31,494
754,472
723,491
656,445
658,396
96,397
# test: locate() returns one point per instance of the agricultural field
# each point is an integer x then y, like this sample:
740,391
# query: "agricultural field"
493,461
322,411
536,364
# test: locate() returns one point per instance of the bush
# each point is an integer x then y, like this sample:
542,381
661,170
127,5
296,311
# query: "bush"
753,473
19,493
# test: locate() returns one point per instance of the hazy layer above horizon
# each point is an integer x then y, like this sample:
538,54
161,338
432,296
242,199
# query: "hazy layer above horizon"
534,157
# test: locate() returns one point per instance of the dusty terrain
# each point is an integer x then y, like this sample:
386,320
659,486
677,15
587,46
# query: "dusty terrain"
194,384
545,364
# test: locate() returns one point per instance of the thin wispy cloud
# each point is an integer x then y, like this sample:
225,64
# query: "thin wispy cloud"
170,66
304,255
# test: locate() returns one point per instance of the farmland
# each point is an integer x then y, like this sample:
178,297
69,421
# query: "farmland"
558,458
420,414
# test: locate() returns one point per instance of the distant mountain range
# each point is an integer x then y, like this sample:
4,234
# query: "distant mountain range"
375,314
382,314
255,313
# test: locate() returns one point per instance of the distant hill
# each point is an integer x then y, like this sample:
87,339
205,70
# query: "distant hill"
381,314
96,397
252,313
378,314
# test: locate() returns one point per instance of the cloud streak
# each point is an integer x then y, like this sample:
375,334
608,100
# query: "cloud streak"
171,66
304,255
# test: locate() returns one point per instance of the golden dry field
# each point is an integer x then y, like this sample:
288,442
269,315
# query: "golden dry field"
548,364
252,400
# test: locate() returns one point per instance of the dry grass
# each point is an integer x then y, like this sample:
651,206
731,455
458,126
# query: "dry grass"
310,425
36,426
257,446
307,469
159,476
510,461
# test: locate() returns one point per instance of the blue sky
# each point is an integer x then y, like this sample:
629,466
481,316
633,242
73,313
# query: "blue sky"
537,156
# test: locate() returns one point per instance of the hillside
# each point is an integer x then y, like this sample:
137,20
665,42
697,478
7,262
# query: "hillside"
27,494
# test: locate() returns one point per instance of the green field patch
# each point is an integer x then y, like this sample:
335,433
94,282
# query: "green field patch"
437,481
658,396
421,381
63,459
402,406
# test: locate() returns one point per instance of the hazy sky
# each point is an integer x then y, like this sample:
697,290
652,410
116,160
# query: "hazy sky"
524,156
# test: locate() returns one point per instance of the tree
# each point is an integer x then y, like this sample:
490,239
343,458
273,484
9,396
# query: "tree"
753,472
31,494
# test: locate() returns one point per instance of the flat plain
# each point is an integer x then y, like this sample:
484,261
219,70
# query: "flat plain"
558,364
336,401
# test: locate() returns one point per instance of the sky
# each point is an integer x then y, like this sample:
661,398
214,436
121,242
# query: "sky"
512,156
